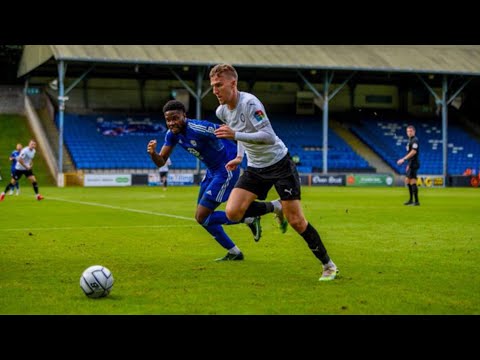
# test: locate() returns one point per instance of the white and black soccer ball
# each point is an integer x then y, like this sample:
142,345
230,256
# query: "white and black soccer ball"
96,281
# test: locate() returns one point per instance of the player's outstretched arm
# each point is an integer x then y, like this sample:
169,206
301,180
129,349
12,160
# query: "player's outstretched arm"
156,158
161,158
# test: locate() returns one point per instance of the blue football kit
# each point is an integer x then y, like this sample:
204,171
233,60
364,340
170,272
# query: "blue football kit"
200,141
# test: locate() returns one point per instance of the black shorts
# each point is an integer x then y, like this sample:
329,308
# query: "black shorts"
283,175
18,174
412,172
163,174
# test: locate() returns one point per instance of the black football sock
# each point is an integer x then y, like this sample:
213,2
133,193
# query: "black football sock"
258,208
315,244
35,187
410,190
415,191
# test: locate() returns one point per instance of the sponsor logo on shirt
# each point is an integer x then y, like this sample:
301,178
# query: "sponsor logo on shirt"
259,115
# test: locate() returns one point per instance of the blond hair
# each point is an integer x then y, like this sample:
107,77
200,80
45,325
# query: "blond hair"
220,69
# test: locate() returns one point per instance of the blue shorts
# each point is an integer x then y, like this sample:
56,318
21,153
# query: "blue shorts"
216,187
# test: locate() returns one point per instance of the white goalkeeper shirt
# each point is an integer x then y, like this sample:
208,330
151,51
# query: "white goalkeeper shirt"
249,116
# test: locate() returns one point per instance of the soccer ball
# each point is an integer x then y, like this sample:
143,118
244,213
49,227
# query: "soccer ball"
96,281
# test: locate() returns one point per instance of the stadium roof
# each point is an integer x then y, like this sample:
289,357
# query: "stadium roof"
438,59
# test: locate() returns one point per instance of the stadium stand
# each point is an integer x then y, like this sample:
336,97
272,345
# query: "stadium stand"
117,142
108,142
303,136
388,139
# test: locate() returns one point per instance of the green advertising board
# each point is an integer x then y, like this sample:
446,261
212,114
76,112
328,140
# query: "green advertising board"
369,180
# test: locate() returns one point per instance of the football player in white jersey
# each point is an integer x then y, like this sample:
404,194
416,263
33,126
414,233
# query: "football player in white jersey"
24,167
269,163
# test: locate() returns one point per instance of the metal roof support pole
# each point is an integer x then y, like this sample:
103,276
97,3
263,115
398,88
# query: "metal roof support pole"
310,86
323,101
443,103
458,91
80,78
62,69
326,84
445,127
196,94
61,108
429,88
198,97
326,99
324,108
185,85
205,93
340,87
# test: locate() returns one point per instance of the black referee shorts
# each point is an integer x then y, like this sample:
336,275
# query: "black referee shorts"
412,172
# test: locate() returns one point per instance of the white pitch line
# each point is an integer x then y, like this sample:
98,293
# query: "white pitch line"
92,227
124,209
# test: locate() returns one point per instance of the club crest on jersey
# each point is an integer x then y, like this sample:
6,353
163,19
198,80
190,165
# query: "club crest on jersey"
259,115
193,142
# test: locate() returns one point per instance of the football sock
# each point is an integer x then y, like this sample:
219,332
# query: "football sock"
219,234
35,187
7,187
415,192
235,250
218,218
258,208
410,190
17,185
315,244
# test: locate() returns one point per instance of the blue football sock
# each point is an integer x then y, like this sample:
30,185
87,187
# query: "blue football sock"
218,218
219,234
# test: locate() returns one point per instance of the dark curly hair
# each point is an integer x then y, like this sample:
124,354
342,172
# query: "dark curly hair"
174,105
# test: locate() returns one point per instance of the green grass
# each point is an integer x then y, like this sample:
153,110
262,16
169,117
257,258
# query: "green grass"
393,259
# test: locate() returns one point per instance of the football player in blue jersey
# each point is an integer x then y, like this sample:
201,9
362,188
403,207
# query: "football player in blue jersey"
13,158
198,138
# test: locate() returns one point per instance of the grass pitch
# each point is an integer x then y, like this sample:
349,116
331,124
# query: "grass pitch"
393,259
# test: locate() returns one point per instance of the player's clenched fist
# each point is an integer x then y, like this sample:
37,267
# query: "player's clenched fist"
151,146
